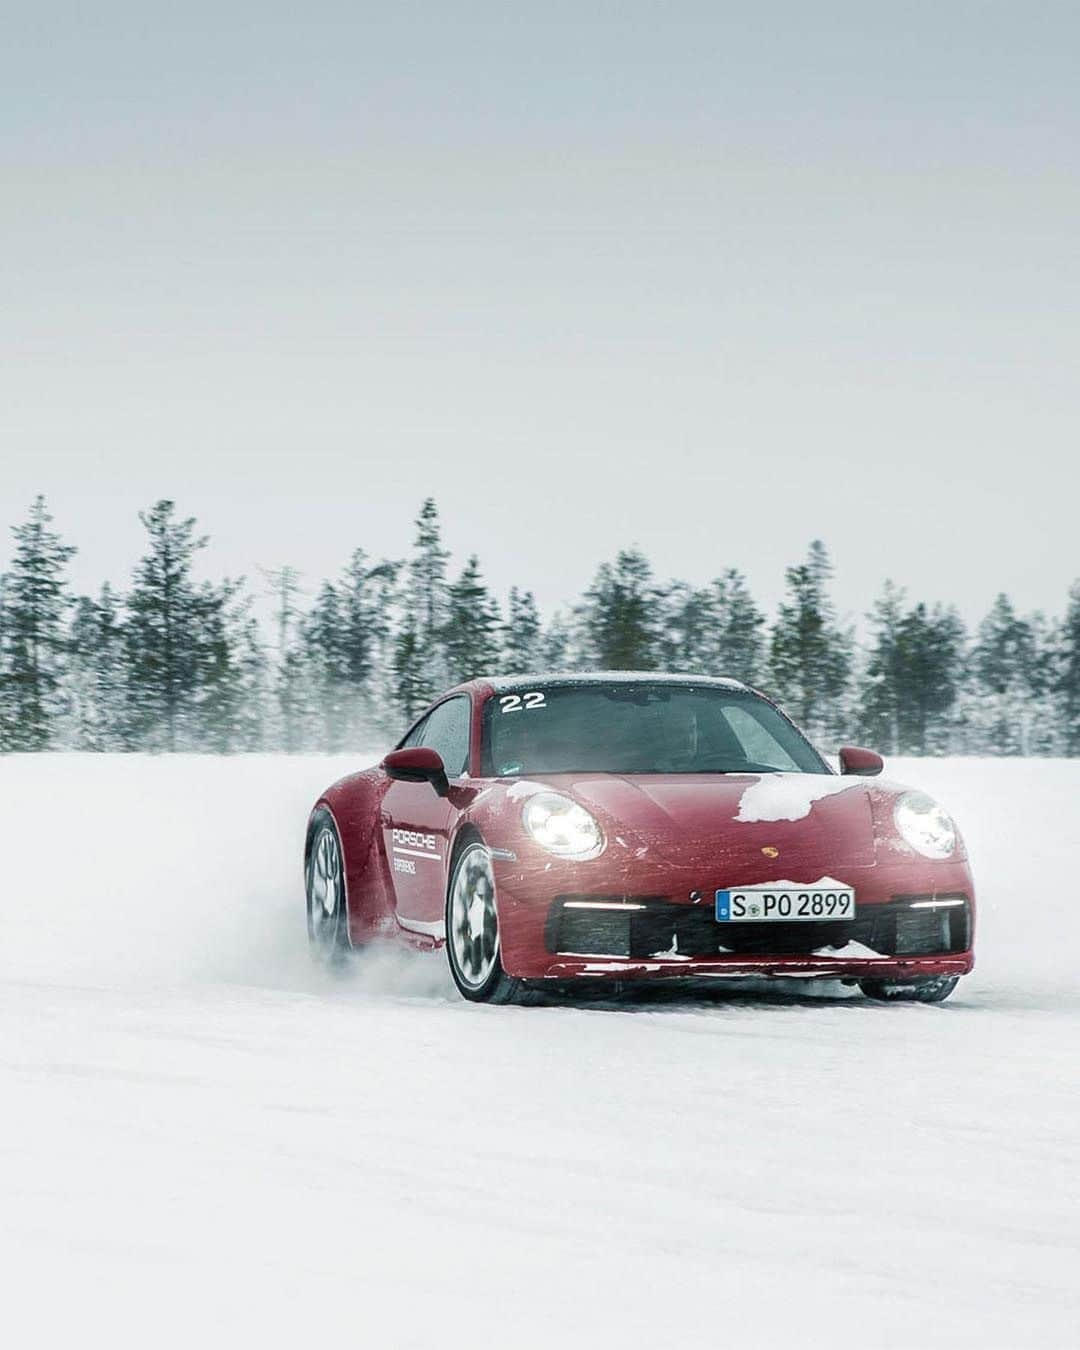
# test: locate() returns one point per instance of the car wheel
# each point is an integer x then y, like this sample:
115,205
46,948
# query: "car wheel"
934,990
327,916
472,929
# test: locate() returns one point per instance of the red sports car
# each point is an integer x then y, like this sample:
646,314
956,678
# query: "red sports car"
548,829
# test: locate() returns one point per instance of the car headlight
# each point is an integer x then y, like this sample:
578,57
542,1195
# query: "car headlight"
926,826
561,826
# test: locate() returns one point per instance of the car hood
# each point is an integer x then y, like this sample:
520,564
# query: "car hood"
812,821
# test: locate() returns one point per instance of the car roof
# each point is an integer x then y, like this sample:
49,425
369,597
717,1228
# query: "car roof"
501,684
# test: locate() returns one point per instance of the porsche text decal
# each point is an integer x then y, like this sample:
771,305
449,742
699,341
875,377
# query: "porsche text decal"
414,844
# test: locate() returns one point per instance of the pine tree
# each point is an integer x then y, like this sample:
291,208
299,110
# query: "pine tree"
6,715
366,591
35,641
931,665
96,675
327,663
911,680
471,638
171,622
386,608
740,627
1044,733
357,636
1067,675
231,686
409,685
809,654
618,620
294,713
1005,678
712,630
425,600
521,634
555,644
285,726
879,711
283,587
688,624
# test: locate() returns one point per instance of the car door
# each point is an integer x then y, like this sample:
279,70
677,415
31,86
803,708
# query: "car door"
417,822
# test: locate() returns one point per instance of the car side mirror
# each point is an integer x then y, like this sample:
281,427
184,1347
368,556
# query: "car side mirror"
861,763
418,764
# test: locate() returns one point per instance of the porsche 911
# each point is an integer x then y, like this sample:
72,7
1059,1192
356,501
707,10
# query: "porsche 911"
548,830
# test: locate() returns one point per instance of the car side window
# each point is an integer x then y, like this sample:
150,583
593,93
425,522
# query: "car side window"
447,731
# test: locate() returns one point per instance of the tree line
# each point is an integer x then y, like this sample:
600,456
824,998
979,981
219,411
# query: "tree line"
176,664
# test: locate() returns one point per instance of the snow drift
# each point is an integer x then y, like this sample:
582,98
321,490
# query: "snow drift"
205,1138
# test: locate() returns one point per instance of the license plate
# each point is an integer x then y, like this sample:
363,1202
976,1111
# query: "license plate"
764,904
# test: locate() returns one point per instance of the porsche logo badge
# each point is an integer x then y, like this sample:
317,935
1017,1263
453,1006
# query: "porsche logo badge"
771,852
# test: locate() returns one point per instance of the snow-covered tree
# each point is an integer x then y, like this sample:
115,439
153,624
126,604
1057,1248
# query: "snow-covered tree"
283,587
293,704
36,604
911,680
521,634
411,692
366,591
740,629
1043,729
232,679
385,610
810,655
5,688
932,642
688,629
471,636
1067,675
327,666
878,710
619,619
1006,676
555,644
714,629
288,713
425,600
96,678
170,623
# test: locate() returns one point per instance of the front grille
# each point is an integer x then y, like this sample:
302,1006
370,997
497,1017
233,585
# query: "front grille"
644,926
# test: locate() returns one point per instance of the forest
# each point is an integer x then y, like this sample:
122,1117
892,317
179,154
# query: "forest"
174,663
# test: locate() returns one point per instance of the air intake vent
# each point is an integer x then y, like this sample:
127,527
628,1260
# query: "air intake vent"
644,926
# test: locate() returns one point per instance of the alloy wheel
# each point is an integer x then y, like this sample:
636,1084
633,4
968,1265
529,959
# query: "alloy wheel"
325,893
473,918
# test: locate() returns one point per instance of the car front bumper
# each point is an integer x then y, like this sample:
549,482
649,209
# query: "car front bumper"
562,967
914,919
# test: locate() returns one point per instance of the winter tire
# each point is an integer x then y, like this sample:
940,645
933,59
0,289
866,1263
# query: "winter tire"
327,913
472,929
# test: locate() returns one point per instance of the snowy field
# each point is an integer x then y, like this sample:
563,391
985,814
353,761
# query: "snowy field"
205,1142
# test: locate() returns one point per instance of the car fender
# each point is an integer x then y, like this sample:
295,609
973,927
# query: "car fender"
355,802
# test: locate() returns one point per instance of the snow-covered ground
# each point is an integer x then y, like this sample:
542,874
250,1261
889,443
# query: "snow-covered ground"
205,1142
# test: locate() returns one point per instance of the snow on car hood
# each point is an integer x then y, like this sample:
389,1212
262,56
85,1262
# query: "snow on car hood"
789,796
812,819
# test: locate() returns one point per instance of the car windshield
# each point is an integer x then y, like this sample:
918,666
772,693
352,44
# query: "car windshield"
640,727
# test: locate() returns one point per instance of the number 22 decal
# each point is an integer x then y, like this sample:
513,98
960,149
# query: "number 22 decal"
522,702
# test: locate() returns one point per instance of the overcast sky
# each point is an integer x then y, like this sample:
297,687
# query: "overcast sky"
711,278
